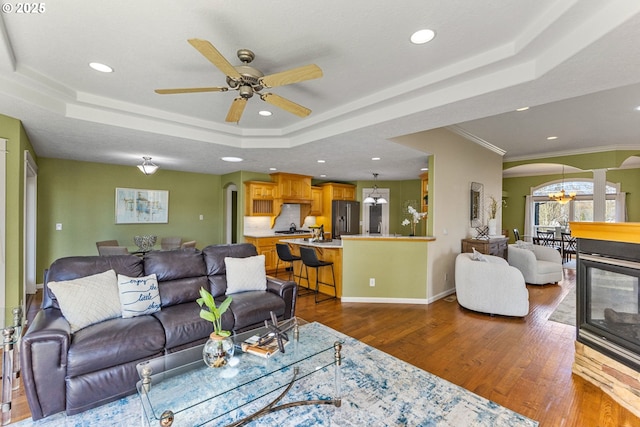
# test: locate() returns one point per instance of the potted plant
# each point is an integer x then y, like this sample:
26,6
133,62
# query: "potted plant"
494,206
219,348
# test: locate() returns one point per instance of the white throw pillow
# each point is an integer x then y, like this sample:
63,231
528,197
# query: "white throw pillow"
524,245
245,274
477,256
88,300
138,295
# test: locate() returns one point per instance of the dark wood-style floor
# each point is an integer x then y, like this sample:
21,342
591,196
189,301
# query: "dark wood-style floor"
523,364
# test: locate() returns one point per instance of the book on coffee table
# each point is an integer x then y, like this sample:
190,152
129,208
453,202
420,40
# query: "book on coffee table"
252,346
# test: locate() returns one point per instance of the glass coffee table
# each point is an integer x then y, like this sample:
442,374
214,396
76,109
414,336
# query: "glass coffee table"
179,389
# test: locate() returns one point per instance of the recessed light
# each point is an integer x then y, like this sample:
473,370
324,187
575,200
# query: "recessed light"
522,109
103,68
323,176
638,108
551,138
424,169
273,169
265,113
231,159
375,158
321,161
422,36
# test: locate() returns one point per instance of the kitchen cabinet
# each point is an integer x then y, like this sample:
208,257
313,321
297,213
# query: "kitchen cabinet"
292,187
496,247
336,191
259,198
424,193
316,201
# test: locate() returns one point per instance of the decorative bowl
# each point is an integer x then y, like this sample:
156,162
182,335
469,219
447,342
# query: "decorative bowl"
145,243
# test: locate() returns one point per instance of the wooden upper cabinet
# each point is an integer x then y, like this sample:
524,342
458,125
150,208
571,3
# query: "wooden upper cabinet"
316,201
292,186
424,178
337,191
259,198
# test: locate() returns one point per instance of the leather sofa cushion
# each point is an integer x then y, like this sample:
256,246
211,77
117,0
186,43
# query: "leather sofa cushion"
114,342
180,291
176,264
247,312
182,324
81,266
214,255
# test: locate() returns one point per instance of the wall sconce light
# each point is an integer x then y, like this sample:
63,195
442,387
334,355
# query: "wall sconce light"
147,167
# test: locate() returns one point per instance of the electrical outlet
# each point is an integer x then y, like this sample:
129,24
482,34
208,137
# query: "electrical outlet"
58,226
372,281
446,277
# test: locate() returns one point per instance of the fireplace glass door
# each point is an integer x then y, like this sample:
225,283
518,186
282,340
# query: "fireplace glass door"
609,316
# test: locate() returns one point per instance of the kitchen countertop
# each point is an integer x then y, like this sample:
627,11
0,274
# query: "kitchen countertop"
392,237
335,244
271,233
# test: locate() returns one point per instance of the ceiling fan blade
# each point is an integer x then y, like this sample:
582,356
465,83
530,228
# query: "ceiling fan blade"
285,104
191,90
216,58
236,110
295,75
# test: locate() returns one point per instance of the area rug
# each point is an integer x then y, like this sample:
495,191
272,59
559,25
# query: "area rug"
377,390
566,310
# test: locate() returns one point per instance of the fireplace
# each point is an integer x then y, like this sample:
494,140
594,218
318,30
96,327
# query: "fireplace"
608,304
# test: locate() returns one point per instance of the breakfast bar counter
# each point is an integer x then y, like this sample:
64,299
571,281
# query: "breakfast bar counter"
326,251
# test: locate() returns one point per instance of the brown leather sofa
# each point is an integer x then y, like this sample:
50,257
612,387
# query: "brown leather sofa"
97,364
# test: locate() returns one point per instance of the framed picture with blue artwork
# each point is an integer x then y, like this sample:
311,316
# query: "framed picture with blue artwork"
136,206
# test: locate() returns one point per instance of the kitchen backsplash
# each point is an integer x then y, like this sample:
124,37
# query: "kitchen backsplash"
290,214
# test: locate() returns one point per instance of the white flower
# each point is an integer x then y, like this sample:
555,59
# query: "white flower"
405,222
415,216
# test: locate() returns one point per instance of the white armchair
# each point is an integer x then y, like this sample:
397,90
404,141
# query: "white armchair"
539,264
490,286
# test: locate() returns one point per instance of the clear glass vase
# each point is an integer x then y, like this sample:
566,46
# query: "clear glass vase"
217,350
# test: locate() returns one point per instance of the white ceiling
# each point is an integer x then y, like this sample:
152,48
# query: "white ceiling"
576,63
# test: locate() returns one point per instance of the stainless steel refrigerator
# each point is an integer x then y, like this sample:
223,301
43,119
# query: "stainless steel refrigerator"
346,218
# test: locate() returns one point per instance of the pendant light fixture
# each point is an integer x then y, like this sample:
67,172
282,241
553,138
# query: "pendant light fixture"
147,167
561,197
374,198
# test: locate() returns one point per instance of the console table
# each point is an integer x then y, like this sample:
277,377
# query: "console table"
496,246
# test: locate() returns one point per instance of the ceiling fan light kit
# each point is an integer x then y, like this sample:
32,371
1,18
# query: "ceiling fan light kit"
248,80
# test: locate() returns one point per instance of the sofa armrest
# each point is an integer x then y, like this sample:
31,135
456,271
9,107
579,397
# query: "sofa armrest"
288,291
43,358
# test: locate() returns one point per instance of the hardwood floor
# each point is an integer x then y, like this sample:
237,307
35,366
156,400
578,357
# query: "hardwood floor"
523,364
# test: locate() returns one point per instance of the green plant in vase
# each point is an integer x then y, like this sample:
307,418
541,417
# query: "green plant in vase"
219,348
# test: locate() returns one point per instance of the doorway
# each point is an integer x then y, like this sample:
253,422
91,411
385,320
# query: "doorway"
375,217
232,214
30,221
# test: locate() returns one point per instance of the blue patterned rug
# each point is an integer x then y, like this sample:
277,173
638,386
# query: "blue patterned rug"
377,389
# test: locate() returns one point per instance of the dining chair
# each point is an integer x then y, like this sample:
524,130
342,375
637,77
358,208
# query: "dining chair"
106,243
569,246
548,238
168,243
112,250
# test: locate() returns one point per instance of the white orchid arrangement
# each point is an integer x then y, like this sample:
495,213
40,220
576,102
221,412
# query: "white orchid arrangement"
416,217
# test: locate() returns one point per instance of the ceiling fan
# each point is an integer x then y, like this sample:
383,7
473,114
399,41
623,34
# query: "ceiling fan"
248,80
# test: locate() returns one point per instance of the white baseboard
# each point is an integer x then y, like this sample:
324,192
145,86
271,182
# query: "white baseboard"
398,300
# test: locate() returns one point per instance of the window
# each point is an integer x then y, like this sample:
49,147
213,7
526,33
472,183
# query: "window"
548,214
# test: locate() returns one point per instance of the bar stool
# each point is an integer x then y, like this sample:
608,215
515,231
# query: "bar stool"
285,255
310,259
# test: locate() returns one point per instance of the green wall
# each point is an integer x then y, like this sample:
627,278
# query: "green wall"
399,192
398,267
17,142
81,196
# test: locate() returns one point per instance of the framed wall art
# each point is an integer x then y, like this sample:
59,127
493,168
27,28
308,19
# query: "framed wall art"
476,193
135,206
